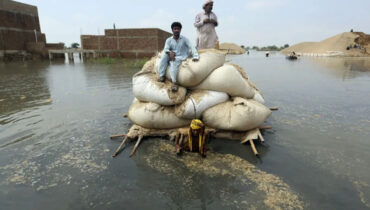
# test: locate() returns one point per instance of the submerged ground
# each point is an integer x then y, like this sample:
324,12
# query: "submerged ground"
55,152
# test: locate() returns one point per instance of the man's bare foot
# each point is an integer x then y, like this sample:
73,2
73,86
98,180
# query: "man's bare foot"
161,79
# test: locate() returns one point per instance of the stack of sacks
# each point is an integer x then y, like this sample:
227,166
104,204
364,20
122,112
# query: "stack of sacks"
212,90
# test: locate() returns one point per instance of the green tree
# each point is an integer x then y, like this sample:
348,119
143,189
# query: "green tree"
75,45
273,47
242,46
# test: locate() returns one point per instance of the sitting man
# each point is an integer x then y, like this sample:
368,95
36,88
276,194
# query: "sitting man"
195,141
176,49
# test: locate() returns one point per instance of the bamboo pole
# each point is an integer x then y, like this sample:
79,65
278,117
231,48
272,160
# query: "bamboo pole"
116,136
265,127
261,137
181,139
244,141
136,146
118,150
179,143
253,147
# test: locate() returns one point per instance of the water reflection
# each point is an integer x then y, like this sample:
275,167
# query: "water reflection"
345,68
22,86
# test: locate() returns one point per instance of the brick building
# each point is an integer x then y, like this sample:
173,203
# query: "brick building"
126,43
20,31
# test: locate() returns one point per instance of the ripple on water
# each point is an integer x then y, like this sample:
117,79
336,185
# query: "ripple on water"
47,170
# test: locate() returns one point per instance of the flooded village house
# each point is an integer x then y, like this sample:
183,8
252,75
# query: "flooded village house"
20,32
125,43
21,38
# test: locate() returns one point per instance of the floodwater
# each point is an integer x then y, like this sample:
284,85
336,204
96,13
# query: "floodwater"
55,151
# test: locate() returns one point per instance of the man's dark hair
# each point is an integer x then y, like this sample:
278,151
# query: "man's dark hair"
176,24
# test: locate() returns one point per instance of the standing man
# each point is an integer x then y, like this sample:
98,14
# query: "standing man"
176,49
206,22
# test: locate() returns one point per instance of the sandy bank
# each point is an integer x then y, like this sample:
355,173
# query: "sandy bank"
335,46
232,48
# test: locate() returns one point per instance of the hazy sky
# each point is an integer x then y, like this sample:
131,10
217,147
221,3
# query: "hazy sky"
245,22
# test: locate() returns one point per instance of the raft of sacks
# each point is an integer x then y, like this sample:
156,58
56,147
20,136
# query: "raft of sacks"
217,92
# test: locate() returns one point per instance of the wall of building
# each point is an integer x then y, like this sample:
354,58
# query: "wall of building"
18,7
19,24
127,43
55,46
20,32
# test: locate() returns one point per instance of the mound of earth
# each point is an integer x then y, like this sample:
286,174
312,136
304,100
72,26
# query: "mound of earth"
344,44
231,48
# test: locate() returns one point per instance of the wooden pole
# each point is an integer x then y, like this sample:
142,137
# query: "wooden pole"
116,136
172,138
261,137
253,147
136,146
181,139
118,150
265,127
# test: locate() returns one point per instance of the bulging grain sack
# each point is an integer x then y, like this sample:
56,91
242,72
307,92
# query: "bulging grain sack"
229,79
197,102
237,115
150,65
192,73
257,93
258,96
146,88
155,116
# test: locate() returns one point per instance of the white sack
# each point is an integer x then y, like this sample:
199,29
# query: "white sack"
155,116
229,79
257,93
258,96
197,102
237,115
149,66
146,88
192,73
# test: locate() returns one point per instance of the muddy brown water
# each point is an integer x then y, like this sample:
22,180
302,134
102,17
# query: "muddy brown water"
55,120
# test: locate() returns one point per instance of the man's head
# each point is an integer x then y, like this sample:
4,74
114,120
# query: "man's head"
196,126
208,6
176,28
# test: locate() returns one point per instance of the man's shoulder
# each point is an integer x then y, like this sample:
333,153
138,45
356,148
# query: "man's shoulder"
200,14
183,37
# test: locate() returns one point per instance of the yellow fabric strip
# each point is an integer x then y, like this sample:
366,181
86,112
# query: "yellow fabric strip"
190,141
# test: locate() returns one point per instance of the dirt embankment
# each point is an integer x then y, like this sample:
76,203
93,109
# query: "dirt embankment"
231,48
363,40
344,44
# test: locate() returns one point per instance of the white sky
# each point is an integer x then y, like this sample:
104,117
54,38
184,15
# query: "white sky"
245,22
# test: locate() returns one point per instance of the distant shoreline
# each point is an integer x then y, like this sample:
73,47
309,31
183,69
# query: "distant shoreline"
347,44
